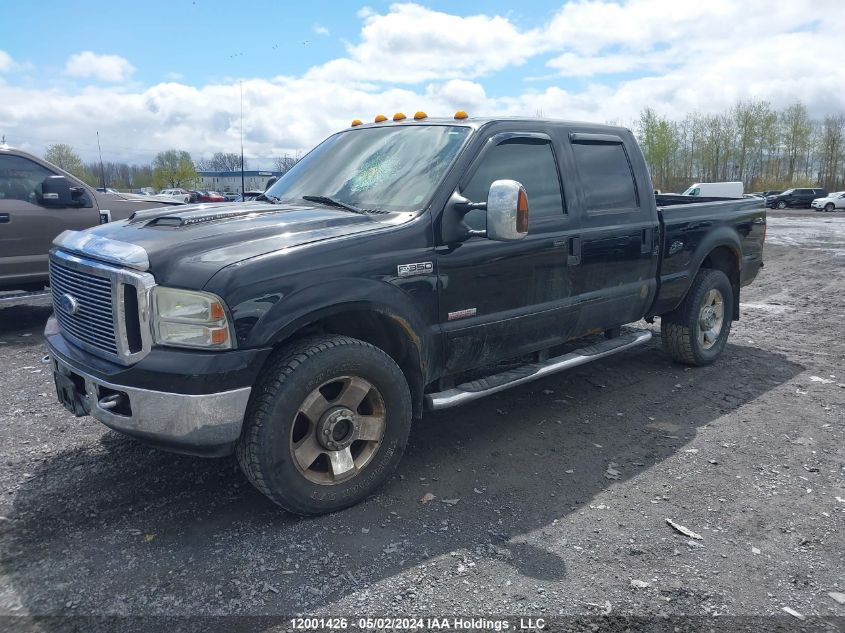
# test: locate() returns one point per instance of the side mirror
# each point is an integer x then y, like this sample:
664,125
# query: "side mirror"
507,211
56,192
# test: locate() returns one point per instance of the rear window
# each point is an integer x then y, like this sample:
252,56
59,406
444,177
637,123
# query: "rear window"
606,177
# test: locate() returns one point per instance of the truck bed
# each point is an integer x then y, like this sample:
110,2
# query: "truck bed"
689,230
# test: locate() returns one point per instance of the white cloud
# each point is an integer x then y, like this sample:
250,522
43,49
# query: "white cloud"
102,67
319,29
6,62
411,43
681,57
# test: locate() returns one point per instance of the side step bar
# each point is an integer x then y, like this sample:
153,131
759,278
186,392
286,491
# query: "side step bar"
469,391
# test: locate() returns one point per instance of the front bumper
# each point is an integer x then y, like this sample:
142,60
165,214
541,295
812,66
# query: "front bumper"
206,424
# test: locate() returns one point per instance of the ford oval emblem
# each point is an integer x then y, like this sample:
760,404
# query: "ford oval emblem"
69,304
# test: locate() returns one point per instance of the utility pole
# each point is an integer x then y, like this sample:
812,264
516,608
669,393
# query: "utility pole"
243,178
102,170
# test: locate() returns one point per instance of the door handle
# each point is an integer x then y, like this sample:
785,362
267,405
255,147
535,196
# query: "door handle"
574,247
5,218
647,240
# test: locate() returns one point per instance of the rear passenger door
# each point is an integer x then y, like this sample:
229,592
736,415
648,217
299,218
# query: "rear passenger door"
617,233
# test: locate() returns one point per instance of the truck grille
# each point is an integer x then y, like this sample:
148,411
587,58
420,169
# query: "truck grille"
101,308
91,319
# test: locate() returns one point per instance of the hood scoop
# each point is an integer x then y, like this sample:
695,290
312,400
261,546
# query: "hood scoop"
198,216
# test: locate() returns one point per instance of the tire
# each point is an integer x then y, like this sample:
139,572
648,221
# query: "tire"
301,394
781,204
683,337
829,207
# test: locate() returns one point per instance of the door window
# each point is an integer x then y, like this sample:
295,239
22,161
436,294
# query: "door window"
606,177
528,161
20,179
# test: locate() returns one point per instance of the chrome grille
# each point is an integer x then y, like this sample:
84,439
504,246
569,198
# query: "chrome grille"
93,320
102,308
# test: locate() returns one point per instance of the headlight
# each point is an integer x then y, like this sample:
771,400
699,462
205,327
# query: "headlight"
187,318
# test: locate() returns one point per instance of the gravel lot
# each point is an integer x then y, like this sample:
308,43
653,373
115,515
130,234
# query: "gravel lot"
550,499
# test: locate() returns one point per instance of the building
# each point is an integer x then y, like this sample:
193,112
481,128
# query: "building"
224,181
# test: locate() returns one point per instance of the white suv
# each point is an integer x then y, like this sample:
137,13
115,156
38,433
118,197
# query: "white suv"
177,194
835,200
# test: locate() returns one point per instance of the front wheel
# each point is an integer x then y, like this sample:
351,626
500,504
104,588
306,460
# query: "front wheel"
829,207
696,332
326,426
781,204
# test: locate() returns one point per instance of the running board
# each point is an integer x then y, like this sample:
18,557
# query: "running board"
469,391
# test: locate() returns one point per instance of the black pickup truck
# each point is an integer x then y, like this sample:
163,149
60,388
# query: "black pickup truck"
392,271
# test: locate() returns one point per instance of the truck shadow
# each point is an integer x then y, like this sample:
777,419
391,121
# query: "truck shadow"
119,528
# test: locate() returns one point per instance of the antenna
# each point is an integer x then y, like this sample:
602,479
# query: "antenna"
243,178
102,171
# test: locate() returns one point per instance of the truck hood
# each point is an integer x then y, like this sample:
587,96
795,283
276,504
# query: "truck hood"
186,245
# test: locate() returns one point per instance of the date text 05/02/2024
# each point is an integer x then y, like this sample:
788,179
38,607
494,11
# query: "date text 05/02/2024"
415,623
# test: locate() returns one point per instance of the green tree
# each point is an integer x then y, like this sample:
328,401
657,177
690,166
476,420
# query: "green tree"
63,157
173,168
659,141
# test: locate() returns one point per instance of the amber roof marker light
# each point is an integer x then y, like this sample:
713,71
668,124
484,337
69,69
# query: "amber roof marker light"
399,116
356,122
380,118
419,116
460,115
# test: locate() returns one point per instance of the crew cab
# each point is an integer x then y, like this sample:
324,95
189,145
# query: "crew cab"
392,271
37,202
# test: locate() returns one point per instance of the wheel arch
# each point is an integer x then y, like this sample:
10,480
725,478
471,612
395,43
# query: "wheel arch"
384,319
720,250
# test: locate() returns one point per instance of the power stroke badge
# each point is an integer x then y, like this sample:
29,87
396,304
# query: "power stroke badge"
421,268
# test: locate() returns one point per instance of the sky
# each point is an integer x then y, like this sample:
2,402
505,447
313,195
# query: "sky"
168,74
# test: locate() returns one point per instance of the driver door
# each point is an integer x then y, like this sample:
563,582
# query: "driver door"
503,299
27,229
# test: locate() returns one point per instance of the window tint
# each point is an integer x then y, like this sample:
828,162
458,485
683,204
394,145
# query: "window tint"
606,177
20,179
528,161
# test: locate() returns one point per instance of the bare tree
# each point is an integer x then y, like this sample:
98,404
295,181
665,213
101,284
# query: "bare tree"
222,161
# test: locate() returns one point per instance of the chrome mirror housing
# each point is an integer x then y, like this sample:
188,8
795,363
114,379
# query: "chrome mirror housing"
507,211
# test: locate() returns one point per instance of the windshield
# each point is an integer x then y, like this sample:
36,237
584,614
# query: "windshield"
393,168
788,191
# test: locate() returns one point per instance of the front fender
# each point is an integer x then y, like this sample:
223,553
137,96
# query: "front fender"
286,315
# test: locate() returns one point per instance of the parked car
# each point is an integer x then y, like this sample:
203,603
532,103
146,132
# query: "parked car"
37,202
194,196
178,194
210,196
772,192
304,332
231,196
715,190
798,197
831,202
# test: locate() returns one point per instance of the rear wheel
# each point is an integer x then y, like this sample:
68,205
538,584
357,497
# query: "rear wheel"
327,425
697,331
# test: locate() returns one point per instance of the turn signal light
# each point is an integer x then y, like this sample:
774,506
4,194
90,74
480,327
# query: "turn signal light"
420,115
522,211
379,118
398,116
356,122
460,114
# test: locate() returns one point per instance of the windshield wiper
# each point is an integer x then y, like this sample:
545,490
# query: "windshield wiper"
266,196
334,203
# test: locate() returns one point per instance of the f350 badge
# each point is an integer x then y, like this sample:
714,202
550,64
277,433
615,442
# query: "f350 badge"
408,270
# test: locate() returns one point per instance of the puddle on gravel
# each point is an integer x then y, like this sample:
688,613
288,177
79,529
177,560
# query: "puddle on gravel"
822,233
